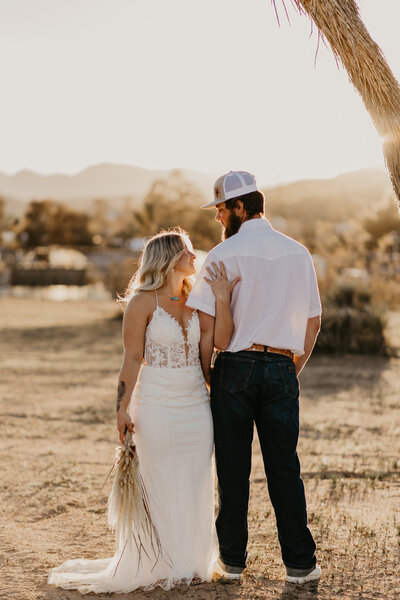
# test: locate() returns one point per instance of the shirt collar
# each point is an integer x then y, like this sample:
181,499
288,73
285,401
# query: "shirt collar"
253,224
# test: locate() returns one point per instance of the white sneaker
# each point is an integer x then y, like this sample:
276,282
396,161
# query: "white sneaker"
227,571
303,575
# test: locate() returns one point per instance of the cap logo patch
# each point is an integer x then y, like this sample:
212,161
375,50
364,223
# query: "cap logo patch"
217,191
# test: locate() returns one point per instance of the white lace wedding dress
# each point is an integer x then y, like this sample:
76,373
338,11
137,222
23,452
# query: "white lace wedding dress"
174,438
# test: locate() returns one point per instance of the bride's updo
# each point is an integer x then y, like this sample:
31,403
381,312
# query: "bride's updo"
159,256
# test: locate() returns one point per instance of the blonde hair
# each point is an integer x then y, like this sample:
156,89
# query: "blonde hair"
159,256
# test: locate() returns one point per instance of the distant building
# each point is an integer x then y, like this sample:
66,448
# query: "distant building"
136,243
351,276
50,266
8,237
343,227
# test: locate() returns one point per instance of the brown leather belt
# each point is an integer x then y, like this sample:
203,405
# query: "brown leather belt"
261,348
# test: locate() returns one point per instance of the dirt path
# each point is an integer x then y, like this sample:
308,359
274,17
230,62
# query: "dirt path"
59,363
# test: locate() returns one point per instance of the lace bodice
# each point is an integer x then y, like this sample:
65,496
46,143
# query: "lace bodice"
167,344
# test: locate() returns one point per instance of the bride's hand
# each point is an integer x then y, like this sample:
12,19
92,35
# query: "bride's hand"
219,282
124,422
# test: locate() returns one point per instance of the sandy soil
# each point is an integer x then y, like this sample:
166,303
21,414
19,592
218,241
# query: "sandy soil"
59,363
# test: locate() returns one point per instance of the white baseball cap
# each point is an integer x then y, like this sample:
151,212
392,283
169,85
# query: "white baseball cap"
231,185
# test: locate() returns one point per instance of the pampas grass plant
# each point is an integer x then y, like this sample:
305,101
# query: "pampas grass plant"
340,24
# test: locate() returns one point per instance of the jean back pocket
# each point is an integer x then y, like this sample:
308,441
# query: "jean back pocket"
234,373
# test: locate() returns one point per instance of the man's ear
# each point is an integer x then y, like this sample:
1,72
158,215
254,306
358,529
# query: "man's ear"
239,209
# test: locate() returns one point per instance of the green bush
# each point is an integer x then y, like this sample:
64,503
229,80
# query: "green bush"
350,325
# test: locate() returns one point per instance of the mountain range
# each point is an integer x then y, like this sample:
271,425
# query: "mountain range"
357,194
120,185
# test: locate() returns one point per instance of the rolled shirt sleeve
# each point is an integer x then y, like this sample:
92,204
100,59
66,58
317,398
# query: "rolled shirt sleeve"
202,297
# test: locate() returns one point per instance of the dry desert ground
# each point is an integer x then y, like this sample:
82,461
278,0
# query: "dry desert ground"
59,363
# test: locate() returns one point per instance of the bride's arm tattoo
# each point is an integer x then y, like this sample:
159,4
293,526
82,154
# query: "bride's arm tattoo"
120,394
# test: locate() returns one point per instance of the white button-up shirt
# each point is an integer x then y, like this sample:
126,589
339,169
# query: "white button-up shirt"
278,291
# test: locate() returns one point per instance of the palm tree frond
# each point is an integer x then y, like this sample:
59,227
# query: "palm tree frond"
340,24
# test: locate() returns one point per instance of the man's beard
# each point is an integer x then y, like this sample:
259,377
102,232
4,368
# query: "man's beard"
233,226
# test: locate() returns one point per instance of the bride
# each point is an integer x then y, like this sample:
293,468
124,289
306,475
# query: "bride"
162,398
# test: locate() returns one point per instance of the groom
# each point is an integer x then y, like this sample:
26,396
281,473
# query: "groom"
276,313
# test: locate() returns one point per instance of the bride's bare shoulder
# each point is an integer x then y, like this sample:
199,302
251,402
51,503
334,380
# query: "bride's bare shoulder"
141,304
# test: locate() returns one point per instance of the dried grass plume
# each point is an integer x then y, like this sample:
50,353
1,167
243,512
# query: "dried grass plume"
128,506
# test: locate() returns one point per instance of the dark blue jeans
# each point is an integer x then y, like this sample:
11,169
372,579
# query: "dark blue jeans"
260,388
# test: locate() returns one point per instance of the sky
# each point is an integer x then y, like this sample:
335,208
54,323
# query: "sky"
209,85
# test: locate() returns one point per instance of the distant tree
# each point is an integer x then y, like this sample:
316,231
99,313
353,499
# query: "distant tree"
129,229
38,224
47,222
100,223
174,201
71,228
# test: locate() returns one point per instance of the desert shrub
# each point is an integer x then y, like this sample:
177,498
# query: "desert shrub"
350,325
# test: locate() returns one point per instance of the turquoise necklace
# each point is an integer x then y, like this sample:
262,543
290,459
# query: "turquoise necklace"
171,297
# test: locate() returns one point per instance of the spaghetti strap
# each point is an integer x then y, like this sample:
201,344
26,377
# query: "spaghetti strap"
155,291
